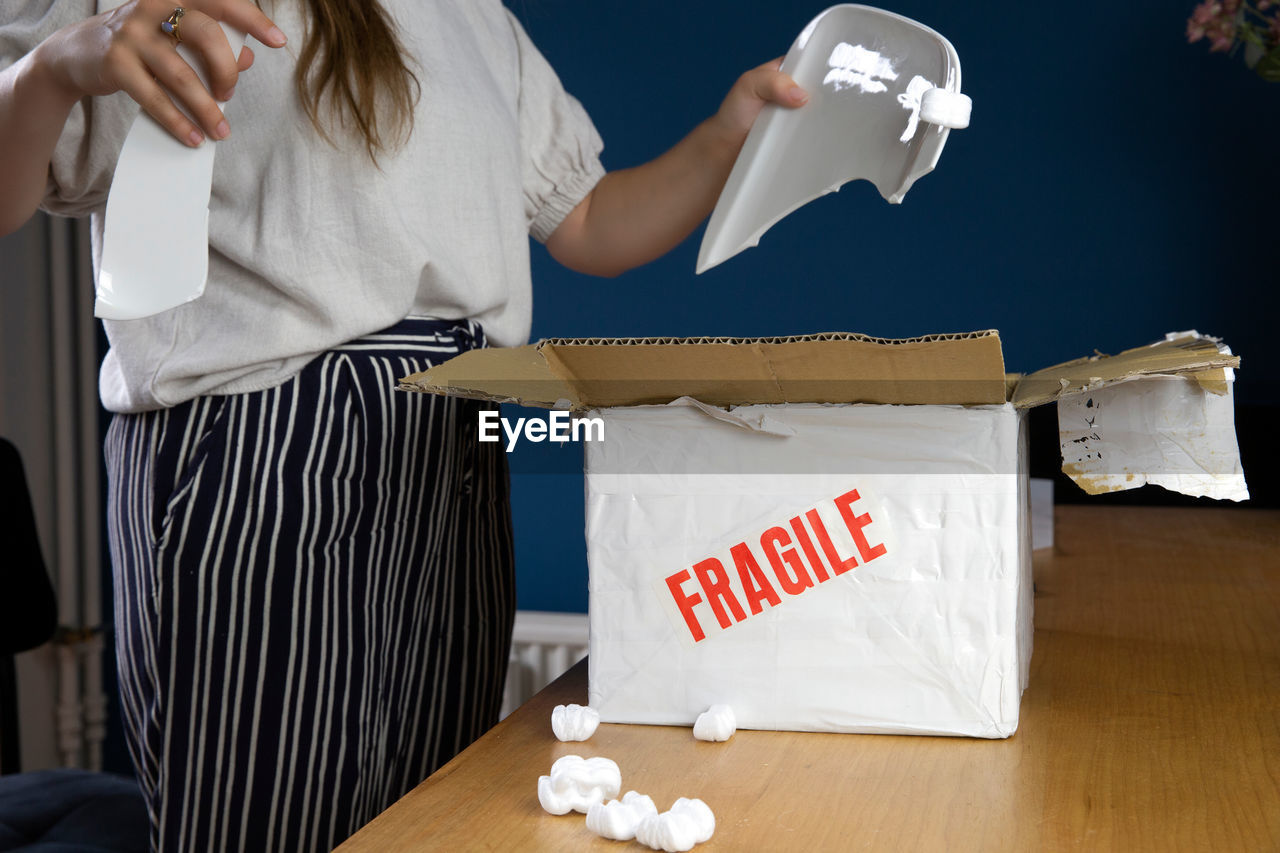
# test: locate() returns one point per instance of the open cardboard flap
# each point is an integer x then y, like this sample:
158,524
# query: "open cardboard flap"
594,373
1168,416
1179,354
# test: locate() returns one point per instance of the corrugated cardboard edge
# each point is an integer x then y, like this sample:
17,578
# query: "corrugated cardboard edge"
583,373
777,339
501,375
1188,353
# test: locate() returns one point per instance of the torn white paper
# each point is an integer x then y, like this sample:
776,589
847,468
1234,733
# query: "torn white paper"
1165,430
758,421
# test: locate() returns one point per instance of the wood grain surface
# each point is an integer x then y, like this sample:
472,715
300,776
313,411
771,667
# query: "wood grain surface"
1152,722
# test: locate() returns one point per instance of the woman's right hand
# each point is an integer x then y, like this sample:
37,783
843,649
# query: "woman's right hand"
126,50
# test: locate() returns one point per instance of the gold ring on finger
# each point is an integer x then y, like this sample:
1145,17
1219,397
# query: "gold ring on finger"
170,24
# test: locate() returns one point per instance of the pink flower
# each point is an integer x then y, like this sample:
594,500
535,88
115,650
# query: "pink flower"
1205,12
1221,34
1215,19
1226,24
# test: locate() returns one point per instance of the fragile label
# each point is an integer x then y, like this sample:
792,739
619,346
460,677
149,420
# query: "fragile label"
786,559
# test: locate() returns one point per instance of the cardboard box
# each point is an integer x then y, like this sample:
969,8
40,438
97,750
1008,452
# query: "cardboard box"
832,532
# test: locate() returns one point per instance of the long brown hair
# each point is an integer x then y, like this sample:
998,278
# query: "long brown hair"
352,74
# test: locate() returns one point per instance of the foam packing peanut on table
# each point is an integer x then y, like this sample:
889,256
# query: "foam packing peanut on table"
574,722
687,823
618,819
577,783
717,723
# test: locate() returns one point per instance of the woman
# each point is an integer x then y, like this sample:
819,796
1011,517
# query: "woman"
313,572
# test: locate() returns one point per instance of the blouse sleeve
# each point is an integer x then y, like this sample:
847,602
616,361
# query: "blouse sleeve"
560,145
86,153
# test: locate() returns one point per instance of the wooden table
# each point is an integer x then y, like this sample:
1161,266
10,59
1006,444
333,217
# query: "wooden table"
1152,722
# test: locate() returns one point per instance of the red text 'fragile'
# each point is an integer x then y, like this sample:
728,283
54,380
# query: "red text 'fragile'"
732,594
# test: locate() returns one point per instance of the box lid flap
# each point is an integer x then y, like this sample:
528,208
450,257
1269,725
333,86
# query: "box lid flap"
501,374
1180,353
586,373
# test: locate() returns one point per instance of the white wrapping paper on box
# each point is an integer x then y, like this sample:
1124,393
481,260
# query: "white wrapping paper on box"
930,635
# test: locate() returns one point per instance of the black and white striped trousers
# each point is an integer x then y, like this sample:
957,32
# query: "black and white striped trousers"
313,595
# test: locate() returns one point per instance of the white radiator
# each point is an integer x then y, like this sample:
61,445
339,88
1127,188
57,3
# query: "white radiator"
543,646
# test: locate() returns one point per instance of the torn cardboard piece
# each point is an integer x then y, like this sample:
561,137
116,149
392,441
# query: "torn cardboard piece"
1179,353
1169,431
1162,414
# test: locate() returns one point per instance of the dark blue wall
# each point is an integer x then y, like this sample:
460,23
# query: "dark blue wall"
1116,184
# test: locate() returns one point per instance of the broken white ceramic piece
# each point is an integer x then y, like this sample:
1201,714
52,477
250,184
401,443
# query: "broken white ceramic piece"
884,91
155,244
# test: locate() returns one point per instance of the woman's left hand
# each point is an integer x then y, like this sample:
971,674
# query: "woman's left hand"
764,84
634,215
